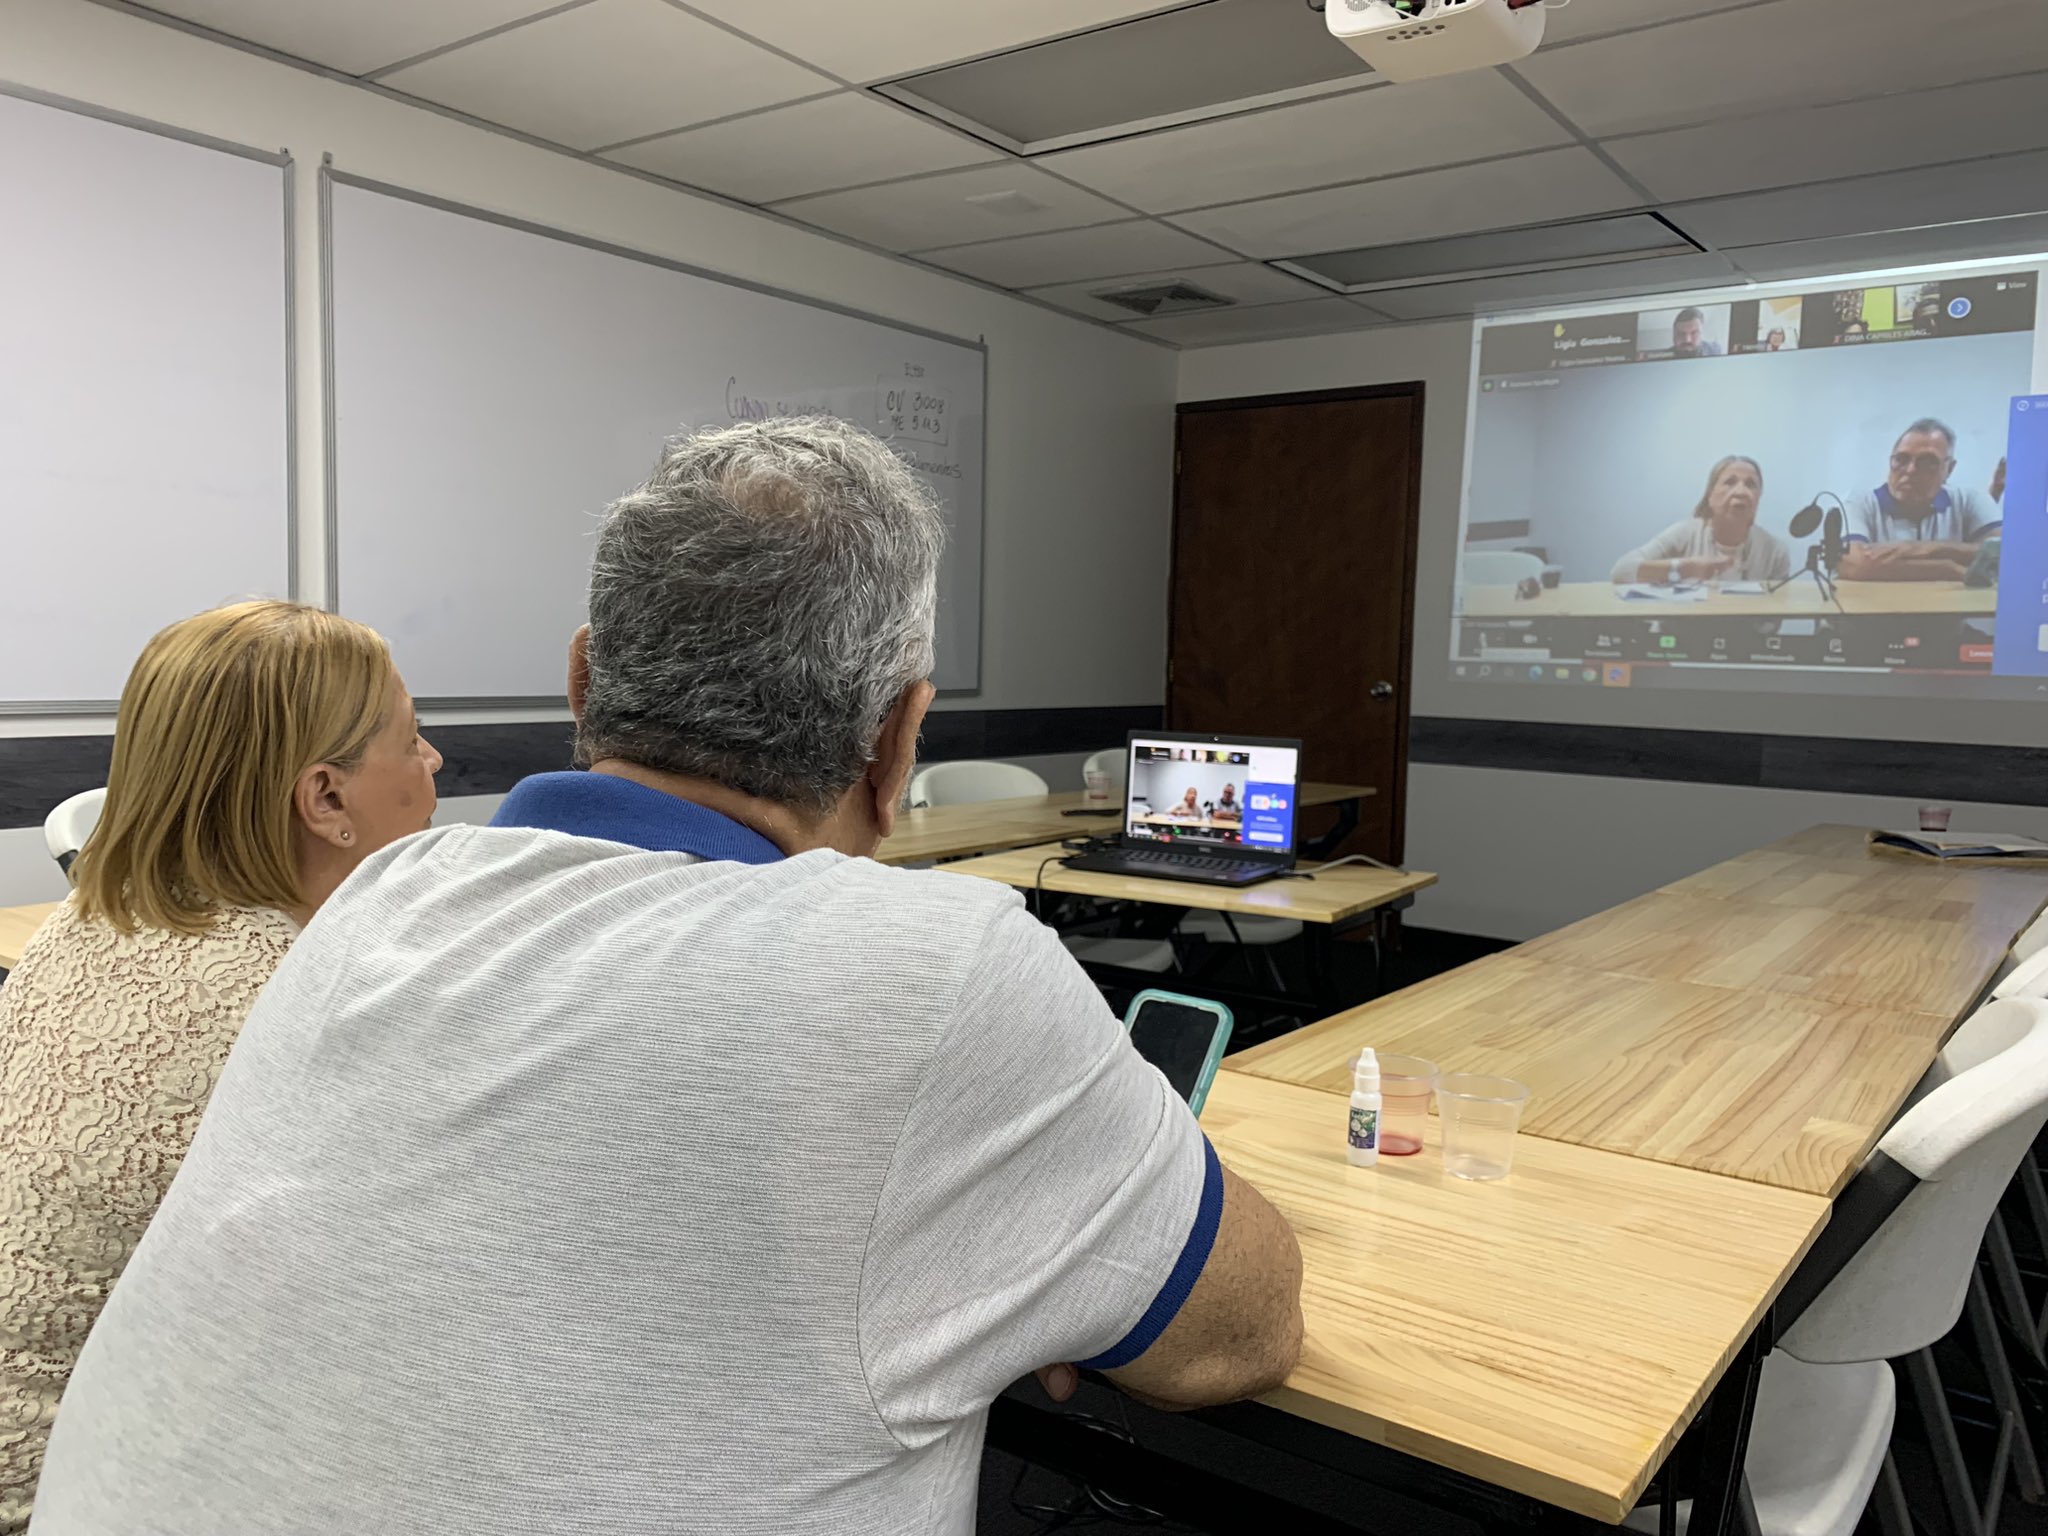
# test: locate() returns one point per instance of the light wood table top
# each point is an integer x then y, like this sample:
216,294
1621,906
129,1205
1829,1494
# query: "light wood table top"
1553,1333
950,831
1799,599
1763,1019
17,925
1334,896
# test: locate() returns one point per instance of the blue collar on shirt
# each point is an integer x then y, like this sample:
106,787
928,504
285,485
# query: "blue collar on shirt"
1889,506
617,810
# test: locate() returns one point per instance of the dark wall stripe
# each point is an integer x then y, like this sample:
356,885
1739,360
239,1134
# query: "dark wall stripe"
1912,769
38,771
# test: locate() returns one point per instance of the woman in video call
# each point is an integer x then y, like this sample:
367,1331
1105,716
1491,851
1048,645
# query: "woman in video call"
1188,809
1719,542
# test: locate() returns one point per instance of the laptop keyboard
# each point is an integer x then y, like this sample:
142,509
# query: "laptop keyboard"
1181,860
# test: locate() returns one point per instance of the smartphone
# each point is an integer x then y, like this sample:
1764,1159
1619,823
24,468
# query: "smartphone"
1184,1037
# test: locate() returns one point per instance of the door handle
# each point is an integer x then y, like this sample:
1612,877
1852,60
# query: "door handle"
1383,690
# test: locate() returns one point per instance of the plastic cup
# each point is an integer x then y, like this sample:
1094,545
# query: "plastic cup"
1098,784
1406,1083
1934,818
1481,1115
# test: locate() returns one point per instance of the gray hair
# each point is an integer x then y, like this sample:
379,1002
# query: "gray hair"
1927,424
758,606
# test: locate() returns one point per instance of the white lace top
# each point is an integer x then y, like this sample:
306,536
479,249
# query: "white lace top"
109,1046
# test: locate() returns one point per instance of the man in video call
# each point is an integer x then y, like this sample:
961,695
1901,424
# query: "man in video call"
1688,335
1916,526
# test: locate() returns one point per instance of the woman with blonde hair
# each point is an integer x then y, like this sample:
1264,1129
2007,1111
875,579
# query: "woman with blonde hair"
261,752
1719,542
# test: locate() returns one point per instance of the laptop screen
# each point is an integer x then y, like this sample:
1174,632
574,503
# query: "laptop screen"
1212,795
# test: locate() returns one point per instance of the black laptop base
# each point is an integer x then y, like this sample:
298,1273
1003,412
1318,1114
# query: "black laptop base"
1203,869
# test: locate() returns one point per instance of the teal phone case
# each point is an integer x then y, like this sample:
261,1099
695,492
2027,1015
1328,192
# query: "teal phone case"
1219,1042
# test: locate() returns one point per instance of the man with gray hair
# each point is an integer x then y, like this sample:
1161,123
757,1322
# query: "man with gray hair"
651,1160
1915,526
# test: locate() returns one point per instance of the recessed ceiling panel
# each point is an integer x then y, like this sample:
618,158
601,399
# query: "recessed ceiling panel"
1193,60
355,38
1596,18
2025,235
1783,149
1982,189
1794,53
1498,194
1621,279
955,208
814,146
1502,252
1073,255
878,39
1362,134
608,71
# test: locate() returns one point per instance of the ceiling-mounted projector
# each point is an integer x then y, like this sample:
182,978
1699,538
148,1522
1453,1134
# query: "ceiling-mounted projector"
1415,39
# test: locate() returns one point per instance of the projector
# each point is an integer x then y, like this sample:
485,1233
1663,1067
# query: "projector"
1416,39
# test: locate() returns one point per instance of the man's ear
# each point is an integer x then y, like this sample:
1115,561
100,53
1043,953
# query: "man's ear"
896,753
579,673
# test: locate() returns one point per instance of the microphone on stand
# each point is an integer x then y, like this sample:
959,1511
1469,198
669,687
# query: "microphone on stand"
1831,542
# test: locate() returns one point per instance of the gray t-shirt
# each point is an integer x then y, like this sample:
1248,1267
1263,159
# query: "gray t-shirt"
1960,516
560,1186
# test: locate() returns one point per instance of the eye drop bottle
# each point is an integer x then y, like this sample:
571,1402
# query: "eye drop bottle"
1363,1135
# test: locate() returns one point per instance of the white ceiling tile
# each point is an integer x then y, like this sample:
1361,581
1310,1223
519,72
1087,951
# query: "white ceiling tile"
1615,280
934,210
1498,194
814,146
1380,131
879,39
1783,149
1242,282
2024,235
1981,189
1217,327
1792,54
355,38
607,71
1072,255
1596,18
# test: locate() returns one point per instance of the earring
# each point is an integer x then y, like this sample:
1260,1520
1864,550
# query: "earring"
346,835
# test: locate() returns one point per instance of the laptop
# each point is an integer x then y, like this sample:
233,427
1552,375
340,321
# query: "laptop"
1216,809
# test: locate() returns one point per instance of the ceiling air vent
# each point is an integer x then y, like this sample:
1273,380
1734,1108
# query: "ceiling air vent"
1163,298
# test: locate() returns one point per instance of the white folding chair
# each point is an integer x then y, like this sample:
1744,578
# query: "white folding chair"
1499,567
67,827
1114,761
968,783
1826,1398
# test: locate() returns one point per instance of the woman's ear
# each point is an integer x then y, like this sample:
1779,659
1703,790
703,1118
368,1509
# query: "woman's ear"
317,798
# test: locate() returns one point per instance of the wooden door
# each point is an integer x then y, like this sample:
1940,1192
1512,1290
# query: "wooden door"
1294,584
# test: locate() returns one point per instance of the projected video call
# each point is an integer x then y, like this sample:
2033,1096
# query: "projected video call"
1702,493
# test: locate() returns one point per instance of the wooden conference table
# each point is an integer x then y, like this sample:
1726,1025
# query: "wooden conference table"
934,832
1799,599
1709,1064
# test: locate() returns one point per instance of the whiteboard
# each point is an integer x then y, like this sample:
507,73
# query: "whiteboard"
145,391
496,385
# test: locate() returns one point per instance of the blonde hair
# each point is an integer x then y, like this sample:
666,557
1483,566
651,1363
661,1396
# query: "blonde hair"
221,715
1703,511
